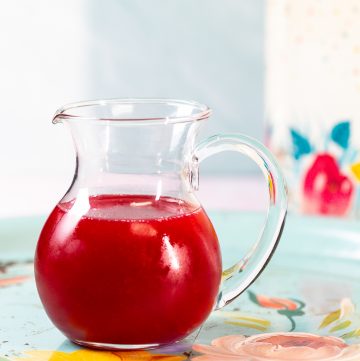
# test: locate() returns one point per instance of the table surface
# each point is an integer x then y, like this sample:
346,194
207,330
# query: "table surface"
311,285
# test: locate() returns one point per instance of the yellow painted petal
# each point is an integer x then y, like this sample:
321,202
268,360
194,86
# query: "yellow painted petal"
239,316
92,355
133,356
262,322
35,355
330,318
83,355
168,358
59,356
247,325
341,326
355,170
355,333
88,355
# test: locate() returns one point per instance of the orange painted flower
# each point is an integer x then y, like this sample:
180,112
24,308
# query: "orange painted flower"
92,355
278,347
276,303
8,281
285,307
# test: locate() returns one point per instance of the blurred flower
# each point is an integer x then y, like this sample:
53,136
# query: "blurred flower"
326,190
278,346
355,169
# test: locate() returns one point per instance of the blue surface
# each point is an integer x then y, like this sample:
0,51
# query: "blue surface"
317,262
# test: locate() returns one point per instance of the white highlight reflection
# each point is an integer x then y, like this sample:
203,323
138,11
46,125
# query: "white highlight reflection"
158,190
81,204
80,208
170,255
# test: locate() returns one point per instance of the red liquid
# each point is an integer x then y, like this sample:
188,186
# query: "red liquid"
132,270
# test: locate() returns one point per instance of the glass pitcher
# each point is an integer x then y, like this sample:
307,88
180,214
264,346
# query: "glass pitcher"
128,259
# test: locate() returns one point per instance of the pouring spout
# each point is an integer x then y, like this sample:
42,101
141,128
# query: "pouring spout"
58,116
56,120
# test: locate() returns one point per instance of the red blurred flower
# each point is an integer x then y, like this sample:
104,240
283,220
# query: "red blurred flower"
326,190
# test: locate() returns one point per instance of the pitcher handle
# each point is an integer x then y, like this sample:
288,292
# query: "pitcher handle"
240,276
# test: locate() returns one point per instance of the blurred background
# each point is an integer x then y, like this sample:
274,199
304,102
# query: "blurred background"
285,72
57,52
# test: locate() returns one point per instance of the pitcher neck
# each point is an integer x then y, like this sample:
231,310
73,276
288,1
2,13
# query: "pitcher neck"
148,150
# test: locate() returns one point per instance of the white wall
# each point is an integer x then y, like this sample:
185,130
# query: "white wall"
55,52
42,65
207,50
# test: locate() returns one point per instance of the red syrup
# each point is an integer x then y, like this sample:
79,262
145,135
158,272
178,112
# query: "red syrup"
128,270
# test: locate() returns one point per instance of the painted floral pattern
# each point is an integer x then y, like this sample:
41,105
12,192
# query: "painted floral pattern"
276,347
289,345
91,355
8,281
247,321
12,273
326,189
341,320
285,307
329,173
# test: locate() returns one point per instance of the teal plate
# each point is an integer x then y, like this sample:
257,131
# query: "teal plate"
311,285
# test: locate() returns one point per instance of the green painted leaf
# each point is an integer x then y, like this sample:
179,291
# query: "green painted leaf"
341,326
289,313
330,318
301,144
253,297
300,303
355,333
340,134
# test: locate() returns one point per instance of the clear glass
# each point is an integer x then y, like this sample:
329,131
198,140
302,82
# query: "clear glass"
128,259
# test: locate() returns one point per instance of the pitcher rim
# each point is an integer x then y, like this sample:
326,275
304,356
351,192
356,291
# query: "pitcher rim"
66,111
